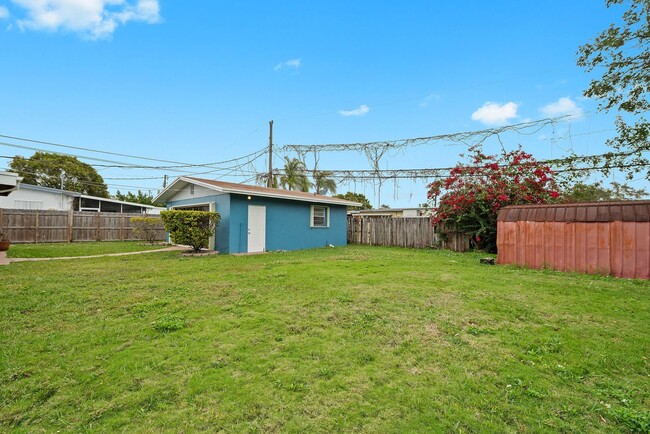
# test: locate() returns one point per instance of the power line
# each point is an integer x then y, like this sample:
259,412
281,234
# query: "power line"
461,137
177,163
120,164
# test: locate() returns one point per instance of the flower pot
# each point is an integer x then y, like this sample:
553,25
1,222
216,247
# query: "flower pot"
4,245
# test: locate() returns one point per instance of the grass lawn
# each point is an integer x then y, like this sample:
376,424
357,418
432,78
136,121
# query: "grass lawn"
60,250
365,339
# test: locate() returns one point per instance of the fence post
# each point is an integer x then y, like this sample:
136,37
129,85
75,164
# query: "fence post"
99,227
122,228
36,228
70,225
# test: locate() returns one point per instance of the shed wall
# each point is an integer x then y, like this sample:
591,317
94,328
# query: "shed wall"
287,224
618,248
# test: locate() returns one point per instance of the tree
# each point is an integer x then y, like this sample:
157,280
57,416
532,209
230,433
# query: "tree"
147,228
355,197
262,179
49,170
141,197
295,175
192,228
596,192
470,198
624,53
323,183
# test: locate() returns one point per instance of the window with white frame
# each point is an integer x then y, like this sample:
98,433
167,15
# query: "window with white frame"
320,216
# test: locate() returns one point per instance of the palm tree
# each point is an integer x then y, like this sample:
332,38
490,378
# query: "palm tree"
323,183
294,177
262,179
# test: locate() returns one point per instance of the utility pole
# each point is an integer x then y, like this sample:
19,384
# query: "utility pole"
165,181
269,183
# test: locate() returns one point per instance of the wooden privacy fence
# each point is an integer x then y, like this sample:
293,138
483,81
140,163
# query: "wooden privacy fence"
413,232
39,226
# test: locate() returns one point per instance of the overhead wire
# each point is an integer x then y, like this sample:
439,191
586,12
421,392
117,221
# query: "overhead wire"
176,163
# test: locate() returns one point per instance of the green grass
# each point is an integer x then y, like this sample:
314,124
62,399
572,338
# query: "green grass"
60,250
363,339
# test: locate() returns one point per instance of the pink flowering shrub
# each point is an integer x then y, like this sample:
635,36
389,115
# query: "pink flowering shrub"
472,195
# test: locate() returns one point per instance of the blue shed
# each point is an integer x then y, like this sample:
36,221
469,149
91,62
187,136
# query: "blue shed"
259,219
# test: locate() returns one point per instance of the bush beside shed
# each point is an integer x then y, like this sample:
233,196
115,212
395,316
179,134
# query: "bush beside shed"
610,238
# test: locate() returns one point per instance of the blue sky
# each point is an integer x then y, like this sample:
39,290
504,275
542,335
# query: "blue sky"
197,82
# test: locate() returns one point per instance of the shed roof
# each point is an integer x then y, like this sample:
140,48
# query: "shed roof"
230,187
626,211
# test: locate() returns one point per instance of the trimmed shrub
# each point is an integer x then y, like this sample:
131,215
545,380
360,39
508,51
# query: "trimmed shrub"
192,228
147,228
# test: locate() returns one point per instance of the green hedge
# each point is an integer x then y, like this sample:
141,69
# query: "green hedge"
192,228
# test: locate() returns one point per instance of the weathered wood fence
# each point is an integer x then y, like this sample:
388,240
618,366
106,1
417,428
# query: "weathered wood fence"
39,226
413,232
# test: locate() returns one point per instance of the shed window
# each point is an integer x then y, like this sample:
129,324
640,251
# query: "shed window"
320,216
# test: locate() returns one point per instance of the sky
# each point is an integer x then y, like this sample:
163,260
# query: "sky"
198,82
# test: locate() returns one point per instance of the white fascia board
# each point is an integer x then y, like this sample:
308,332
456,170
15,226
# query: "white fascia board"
167,191
245,192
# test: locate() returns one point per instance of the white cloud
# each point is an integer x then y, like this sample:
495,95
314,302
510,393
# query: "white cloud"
427,99
96,19
492,113
4,12
293,63
562,107
362,110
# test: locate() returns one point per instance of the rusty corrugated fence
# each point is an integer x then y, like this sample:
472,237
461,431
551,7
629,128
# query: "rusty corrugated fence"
611,238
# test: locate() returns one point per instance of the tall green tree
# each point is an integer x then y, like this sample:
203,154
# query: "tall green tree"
50,170
596,192
141,197
623,52
356,197
295,175
323,182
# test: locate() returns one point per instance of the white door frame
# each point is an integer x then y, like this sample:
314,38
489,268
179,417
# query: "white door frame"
256,229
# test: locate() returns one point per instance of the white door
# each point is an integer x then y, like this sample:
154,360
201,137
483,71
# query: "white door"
256,228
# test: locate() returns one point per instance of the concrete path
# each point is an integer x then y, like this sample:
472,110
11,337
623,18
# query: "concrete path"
5,261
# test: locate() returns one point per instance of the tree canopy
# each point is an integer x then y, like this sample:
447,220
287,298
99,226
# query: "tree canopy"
596,192
623,52
323,183
48,170
355,197
141,197
295,175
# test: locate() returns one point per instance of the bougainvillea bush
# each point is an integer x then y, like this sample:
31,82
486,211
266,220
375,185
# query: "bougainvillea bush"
470,198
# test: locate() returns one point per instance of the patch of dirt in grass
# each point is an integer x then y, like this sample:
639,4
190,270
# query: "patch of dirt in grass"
432,329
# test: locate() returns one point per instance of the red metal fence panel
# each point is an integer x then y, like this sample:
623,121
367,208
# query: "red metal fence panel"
601,238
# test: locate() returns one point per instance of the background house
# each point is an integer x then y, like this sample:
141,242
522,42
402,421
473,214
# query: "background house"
28,196
393,212
258,219
9,182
